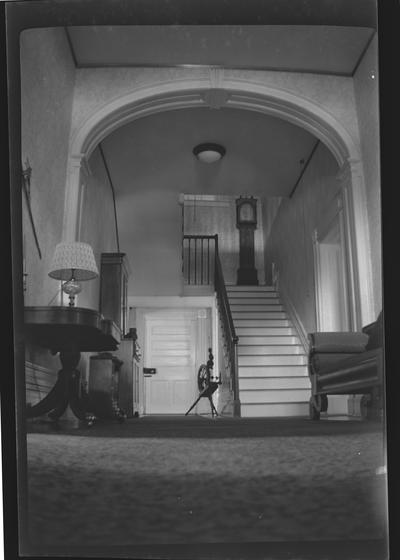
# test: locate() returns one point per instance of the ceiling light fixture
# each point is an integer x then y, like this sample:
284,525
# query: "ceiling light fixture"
208,152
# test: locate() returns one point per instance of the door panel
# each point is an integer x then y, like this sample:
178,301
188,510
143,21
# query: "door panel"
170,348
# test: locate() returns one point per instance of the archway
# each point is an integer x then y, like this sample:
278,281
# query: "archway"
172,95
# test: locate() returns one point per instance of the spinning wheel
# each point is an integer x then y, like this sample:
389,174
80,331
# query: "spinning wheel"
205,385
203,377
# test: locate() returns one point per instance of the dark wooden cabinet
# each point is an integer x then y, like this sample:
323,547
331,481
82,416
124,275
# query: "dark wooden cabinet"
129,353
114,378
114,274
103,386
113,388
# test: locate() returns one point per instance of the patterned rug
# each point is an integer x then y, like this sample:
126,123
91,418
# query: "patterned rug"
197,480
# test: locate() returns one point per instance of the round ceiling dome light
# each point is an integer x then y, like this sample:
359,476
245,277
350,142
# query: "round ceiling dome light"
209,153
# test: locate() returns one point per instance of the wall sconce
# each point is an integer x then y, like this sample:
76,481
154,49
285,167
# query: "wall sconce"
73,262
208,152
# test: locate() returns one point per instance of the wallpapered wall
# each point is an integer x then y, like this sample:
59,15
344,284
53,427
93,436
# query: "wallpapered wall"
289,245
47,85
366,93
151,221
289,224
216,214
97,222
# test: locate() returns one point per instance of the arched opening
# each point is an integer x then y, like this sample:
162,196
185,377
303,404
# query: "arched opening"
243,96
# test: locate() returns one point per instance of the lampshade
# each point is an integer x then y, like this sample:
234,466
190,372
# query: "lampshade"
208,152
76,257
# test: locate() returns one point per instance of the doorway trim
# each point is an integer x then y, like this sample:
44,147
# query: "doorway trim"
140,305
337,216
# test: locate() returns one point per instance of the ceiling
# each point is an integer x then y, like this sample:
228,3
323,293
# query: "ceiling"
300,48
264,154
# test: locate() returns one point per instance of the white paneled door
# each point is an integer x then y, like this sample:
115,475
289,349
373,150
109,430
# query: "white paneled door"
172,344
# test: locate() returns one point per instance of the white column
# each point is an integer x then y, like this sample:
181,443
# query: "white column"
71,202
356,216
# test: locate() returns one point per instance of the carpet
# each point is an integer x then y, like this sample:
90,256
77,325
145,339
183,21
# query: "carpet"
204,426
196,480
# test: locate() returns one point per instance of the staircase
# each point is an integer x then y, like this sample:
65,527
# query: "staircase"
273,377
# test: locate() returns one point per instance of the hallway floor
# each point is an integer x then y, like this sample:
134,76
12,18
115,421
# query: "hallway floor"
194,481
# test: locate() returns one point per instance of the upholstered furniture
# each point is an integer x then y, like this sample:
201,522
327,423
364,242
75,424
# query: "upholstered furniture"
347,363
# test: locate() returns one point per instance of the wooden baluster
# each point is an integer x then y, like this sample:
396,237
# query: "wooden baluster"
202,256
208,260
189,259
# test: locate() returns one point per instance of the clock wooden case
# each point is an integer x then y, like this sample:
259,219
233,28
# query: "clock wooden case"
246,222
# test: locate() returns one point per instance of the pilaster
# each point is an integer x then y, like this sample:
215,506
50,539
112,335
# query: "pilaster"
351,179
76,164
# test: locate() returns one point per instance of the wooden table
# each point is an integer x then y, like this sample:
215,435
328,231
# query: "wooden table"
68,331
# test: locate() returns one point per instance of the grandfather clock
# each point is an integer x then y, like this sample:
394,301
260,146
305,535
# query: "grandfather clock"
246,222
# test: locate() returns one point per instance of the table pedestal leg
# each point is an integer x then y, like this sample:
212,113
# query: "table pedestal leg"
65,391
53,399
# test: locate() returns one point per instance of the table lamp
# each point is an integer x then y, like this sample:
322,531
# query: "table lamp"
73,262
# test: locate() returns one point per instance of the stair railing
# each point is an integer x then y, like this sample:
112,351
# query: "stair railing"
228,328
198,259
201,265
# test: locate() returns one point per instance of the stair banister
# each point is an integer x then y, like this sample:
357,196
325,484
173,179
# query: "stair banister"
196,259
199,257
229,329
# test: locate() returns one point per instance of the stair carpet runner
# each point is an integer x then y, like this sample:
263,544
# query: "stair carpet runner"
273,375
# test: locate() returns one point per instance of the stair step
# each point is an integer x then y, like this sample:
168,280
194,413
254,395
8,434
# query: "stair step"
273,371
279,360
278,320
272,339
272,328
274,396
253,304
258,314
251,301
268,383
268,410
266,305
249,296
264,349
233,288
271,297
272,322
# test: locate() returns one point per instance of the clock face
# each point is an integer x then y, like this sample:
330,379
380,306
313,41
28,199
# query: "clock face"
246,212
